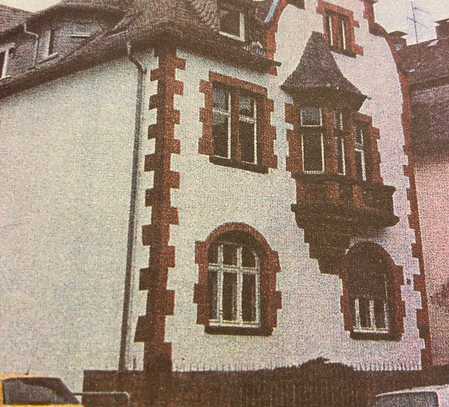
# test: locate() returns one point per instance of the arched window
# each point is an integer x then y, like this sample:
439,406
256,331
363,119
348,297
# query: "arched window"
372,293
236,290
369,293
234,284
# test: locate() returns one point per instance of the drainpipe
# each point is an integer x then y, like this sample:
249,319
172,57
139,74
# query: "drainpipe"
36,45
128,296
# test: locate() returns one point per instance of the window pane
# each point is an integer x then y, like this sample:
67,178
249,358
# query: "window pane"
51,42
329,24
311,116
220,133
213,254
247,141
230,254
249,298
379,313
221,98
230,21
342,33
312,151
360,165
360,136
213,295
248,258
229,296
2,62
340,155
364,313
247,106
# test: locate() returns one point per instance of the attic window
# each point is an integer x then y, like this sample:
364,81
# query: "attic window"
232,22
5,54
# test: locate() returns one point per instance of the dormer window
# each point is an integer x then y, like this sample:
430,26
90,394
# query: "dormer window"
51,42
4,59
232,22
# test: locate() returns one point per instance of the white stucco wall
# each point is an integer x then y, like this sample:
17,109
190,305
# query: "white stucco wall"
65,176
310,323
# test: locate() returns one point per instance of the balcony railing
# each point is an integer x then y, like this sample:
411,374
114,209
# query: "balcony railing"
348,203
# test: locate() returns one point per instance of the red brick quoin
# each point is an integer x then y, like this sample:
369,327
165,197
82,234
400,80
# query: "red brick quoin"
266,133
396,305
422,315
160,301
270,298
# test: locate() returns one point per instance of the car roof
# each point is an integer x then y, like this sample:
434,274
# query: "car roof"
4,376
436,388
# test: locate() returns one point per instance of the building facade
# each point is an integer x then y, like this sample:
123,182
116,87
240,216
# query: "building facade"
426,65
204,184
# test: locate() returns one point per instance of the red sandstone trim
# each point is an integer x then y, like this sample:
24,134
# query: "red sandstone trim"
419,281
324,8
396,304
271,299
160,302
368,14
266,132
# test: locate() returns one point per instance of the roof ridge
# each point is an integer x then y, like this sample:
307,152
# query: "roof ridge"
16,9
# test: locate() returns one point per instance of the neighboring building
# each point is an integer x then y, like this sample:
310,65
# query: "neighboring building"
427,65
198,185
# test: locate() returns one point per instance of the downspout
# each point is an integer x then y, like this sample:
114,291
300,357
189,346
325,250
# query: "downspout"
127,298
36,45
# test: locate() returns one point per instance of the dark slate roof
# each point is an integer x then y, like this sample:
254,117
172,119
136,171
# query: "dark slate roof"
427,61
11,17
319,75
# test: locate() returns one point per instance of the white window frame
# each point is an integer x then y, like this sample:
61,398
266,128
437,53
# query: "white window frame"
7,50
241,36
360,147
357,325
252,120
342,144
321,135
226,113
220,268
49,34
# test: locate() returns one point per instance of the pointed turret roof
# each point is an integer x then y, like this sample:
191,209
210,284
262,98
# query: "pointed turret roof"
318,76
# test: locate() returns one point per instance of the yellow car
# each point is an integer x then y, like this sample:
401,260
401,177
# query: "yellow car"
24,390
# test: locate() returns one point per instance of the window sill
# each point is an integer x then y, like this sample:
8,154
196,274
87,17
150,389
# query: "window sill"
226,162
236,330
346,52
375,336
232,36
49,57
